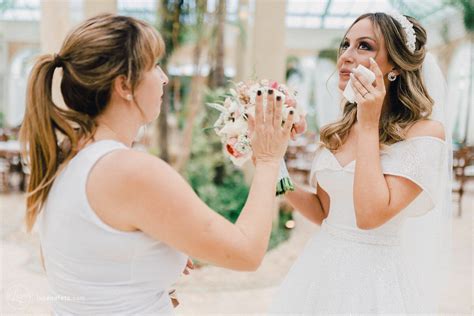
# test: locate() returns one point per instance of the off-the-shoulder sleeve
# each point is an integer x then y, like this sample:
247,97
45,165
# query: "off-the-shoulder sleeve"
421,160
313,182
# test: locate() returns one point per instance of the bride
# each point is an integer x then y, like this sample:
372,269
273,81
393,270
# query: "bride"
379,166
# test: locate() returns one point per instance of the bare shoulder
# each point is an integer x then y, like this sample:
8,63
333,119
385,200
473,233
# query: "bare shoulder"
131,166
427,128
132,178
133,173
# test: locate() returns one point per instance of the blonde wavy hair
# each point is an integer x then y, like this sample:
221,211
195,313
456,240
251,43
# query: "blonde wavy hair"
92,56
408,99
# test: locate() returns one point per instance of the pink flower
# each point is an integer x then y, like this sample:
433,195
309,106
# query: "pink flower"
231,149
300,127
291,103
238,154
274,85
232,141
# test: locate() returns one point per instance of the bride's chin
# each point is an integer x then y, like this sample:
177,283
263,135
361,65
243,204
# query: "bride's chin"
342,84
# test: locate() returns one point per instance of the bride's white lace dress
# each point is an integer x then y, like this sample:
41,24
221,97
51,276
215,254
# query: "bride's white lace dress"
344,269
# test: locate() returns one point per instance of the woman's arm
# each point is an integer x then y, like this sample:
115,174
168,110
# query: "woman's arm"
165,207
379,197
313,206
147,194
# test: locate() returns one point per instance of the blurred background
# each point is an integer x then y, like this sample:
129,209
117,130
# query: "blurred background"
210,44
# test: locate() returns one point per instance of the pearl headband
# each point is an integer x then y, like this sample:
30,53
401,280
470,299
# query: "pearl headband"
408,29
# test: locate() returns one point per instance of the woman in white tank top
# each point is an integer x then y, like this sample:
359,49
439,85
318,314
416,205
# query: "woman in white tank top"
116,225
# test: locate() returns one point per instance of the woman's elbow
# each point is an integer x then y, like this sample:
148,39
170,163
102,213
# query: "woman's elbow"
253,265
248,259
365,224
369,215
249,263
367,220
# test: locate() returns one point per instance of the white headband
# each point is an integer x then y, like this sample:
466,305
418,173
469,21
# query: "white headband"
408,28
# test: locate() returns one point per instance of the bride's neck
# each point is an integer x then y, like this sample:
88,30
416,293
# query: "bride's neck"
385,105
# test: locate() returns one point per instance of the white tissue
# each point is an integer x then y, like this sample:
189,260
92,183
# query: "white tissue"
349,92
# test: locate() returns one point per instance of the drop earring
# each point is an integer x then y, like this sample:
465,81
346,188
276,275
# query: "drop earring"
391,76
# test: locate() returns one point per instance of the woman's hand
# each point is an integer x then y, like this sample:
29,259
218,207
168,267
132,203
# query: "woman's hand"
270,139
299,128
189,266
369,98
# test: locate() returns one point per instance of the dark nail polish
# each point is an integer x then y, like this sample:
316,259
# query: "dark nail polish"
278,98
259,92
291,112
270,91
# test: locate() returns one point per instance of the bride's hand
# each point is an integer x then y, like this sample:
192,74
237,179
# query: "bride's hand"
270,138
299,128
369,98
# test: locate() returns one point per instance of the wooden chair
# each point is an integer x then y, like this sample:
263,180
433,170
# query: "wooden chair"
299,157
462,158
4,175
10,162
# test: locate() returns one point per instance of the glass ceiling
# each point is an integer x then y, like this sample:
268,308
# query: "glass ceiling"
333,14
336,14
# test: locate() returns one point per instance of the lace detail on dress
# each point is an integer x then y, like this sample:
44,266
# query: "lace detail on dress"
344,269
419,159
361,236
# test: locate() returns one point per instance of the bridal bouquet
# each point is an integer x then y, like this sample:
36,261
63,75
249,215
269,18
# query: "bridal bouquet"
235,124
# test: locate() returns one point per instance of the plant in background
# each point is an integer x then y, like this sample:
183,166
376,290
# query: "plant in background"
6,4
214,178
467,7
280,231
217,47
171,15
329,53
293,67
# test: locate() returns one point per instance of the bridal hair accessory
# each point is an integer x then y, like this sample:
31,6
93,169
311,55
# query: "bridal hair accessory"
408,29
235,124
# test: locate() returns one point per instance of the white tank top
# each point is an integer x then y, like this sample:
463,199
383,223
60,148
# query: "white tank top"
93,268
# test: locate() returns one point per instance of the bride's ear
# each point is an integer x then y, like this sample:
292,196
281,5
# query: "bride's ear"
396,71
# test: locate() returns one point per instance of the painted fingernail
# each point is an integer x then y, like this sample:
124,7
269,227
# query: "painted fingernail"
270,91
278,98
259,92
291,112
